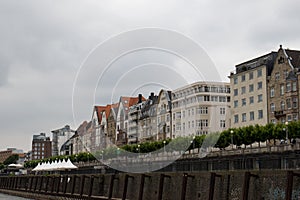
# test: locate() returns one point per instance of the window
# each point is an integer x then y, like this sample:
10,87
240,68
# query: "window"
294,86
189,124
236,103
244,102
251,116
272,92
285,73
277,76
282,105
202,123
244,117
295,117
251,100
183,126
243,90
192,124
193,112
183,114
235,80
289,118
281,89
295,102
235,92
236,118
272,106
259,72
222,111
251,88
206,98
202,110
222,124
259,85
222,99
243,77
259,98
288,87
288,103
273,121
189,112
178,115
250,75
260,114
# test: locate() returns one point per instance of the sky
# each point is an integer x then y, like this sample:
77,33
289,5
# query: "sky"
46,47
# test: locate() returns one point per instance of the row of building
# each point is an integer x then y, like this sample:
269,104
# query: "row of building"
262,90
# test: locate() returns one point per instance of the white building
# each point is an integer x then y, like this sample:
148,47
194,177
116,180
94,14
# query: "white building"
200,108
59,137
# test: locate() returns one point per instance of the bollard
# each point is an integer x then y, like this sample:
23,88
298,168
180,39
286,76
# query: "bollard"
184,184
142,186
161,185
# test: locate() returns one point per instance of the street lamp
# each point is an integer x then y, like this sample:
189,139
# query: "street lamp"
164,146
139,149
286,132
102,154
231,134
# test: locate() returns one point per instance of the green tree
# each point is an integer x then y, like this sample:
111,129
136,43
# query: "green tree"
11,159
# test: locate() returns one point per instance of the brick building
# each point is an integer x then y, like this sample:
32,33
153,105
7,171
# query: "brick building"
41,147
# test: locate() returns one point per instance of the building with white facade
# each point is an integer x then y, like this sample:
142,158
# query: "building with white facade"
200,108
59,137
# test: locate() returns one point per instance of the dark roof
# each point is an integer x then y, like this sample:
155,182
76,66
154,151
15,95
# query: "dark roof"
295,55
267,59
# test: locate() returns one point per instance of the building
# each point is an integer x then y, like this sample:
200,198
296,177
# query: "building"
265,89
283,84
200,108
249,99
41,147
164,115
11,151
59,137
112,123
122,118
148,119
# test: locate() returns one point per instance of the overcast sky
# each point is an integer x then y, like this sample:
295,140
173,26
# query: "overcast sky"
44,43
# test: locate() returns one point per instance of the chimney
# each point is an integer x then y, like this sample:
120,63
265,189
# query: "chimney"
152,95
140,98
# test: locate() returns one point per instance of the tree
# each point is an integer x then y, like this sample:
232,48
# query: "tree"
11,159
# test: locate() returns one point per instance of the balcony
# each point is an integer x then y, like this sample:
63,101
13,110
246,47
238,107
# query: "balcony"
279,114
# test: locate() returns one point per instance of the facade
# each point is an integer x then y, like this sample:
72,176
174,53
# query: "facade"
41,147
112,123
283,87
11,151
148,119
59,137
122,118
200,108
249,99
164,115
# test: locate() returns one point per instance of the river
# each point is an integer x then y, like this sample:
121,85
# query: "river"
9,197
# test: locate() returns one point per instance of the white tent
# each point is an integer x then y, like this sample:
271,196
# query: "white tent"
56,165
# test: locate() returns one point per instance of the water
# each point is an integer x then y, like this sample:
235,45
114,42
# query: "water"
9,197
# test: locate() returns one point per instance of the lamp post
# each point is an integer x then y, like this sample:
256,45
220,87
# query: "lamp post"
286,132
164,146
231,135
139,149
102,154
